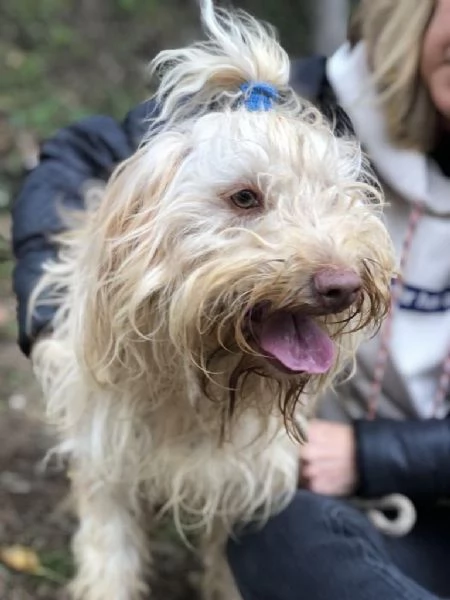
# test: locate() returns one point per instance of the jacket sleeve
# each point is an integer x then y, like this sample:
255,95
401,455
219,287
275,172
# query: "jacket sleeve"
406,457
88,150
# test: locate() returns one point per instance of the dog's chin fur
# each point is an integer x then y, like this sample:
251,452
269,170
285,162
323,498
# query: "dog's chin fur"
149,374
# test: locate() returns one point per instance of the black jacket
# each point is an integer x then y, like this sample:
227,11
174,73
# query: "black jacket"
405,457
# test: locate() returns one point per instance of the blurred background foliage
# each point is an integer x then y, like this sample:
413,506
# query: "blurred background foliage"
61,60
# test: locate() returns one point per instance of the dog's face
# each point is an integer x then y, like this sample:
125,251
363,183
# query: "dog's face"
248,235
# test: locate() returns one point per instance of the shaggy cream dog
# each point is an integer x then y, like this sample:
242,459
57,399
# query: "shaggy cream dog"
222,281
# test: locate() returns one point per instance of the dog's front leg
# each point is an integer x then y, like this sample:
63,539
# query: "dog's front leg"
217,582
110,546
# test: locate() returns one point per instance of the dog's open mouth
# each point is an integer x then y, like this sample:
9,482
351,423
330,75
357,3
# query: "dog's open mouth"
293,341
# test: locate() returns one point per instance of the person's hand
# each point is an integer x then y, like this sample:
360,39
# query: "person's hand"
328,462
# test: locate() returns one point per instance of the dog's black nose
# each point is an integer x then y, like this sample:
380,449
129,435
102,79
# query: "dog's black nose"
336,289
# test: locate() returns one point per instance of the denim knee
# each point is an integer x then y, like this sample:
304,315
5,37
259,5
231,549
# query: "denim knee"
309,530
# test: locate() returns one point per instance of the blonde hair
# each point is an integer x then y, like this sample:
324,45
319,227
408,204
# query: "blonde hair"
393,31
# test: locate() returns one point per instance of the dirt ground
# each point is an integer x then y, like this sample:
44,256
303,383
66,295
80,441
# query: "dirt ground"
34,503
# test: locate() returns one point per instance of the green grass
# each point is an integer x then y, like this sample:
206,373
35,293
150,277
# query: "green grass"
57,563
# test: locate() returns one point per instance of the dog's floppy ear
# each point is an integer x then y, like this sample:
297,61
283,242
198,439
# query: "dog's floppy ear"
122,257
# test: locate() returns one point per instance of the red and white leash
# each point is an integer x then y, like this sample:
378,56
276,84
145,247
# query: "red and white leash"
405,509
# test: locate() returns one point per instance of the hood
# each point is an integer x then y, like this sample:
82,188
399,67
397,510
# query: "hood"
413,175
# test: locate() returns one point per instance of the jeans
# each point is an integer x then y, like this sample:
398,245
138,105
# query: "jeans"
321,548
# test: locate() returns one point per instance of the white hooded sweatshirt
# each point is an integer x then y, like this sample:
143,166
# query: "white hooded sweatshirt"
420,336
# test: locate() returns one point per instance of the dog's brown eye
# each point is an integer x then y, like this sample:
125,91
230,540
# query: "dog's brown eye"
246,199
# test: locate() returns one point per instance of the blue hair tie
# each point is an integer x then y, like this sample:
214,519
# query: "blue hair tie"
259,95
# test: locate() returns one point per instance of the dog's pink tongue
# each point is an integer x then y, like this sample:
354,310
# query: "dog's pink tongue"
297,342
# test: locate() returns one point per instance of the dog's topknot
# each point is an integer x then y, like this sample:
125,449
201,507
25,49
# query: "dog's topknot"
238,50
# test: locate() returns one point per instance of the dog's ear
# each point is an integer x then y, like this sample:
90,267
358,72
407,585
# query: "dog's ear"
121,262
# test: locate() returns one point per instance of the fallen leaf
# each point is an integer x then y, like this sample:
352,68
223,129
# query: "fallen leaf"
25,560
21,559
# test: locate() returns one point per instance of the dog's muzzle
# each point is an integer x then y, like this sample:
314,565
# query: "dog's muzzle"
293,340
